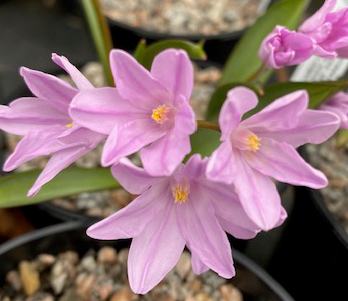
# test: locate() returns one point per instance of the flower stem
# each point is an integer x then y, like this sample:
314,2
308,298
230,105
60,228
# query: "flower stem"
208,125
100,34
256,75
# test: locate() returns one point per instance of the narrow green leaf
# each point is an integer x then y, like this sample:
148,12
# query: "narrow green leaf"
73,180
204,142
194,50
318,92
140,50
244,61
219,97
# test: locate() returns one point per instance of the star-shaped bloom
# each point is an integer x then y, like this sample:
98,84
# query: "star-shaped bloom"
148,111
171,212
45,123
329,31
263,146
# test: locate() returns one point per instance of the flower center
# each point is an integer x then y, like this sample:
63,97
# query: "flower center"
69,125
246,140
254,142
161,113
181,191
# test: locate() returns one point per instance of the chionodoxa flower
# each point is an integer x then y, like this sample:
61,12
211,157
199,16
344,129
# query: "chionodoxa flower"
45,123
263,146
171,212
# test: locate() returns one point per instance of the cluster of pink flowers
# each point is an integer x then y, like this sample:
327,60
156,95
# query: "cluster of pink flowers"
325,34
179,205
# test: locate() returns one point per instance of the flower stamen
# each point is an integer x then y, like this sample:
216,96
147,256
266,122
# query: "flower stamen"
69,125
254,142
160,114
181,191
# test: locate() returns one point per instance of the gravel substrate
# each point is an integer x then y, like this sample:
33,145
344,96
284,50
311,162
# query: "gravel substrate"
104,203
332,160
184,17
102,276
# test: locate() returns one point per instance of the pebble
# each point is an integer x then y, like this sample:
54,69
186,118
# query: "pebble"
183,17
230,293
125,294
30,277
184,265
14,278
107,255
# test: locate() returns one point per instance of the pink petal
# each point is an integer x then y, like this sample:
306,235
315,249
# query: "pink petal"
226,204
155,251
81,82
221,166
185,119
135,83
236,231
30,113
283,113
174,70
81,136
162,157
258,195
88,108
198,267
131,220
132,178
204,234
33,145
312,126
283,217
289,167
49,88
130,138
59,161
195,167
239,101
318,18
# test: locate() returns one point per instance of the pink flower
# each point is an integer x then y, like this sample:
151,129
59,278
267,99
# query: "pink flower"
263,146
171,212
283,47
329,31
44,122
338,104
148,111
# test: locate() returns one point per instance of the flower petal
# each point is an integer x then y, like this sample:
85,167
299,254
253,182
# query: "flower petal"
198,267
258,195
49,88
221,166
81,82
239,101
132,178
236,231
204,234
185,119
313,126
130,138
30,113
88,108
195,167
81,136
174,70
59,161
162,157
135,83
131,220
155,251
283,113
33,145
316,20
289,167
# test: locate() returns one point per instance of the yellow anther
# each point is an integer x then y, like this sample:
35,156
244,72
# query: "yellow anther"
69,125
254,142
180,194
160,113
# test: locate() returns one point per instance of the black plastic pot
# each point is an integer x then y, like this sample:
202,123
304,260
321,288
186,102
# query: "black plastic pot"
312,259
253,281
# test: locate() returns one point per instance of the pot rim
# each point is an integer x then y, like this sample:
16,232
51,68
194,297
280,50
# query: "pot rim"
75,225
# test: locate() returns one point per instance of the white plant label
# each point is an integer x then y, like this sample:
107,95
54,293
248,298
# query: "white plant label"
319,69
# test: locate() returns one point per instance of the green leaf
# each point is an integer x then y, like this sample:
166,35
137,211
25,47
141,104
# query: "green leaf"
204,142
140,51
244,62
73,180
318,92
219,97
194,50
